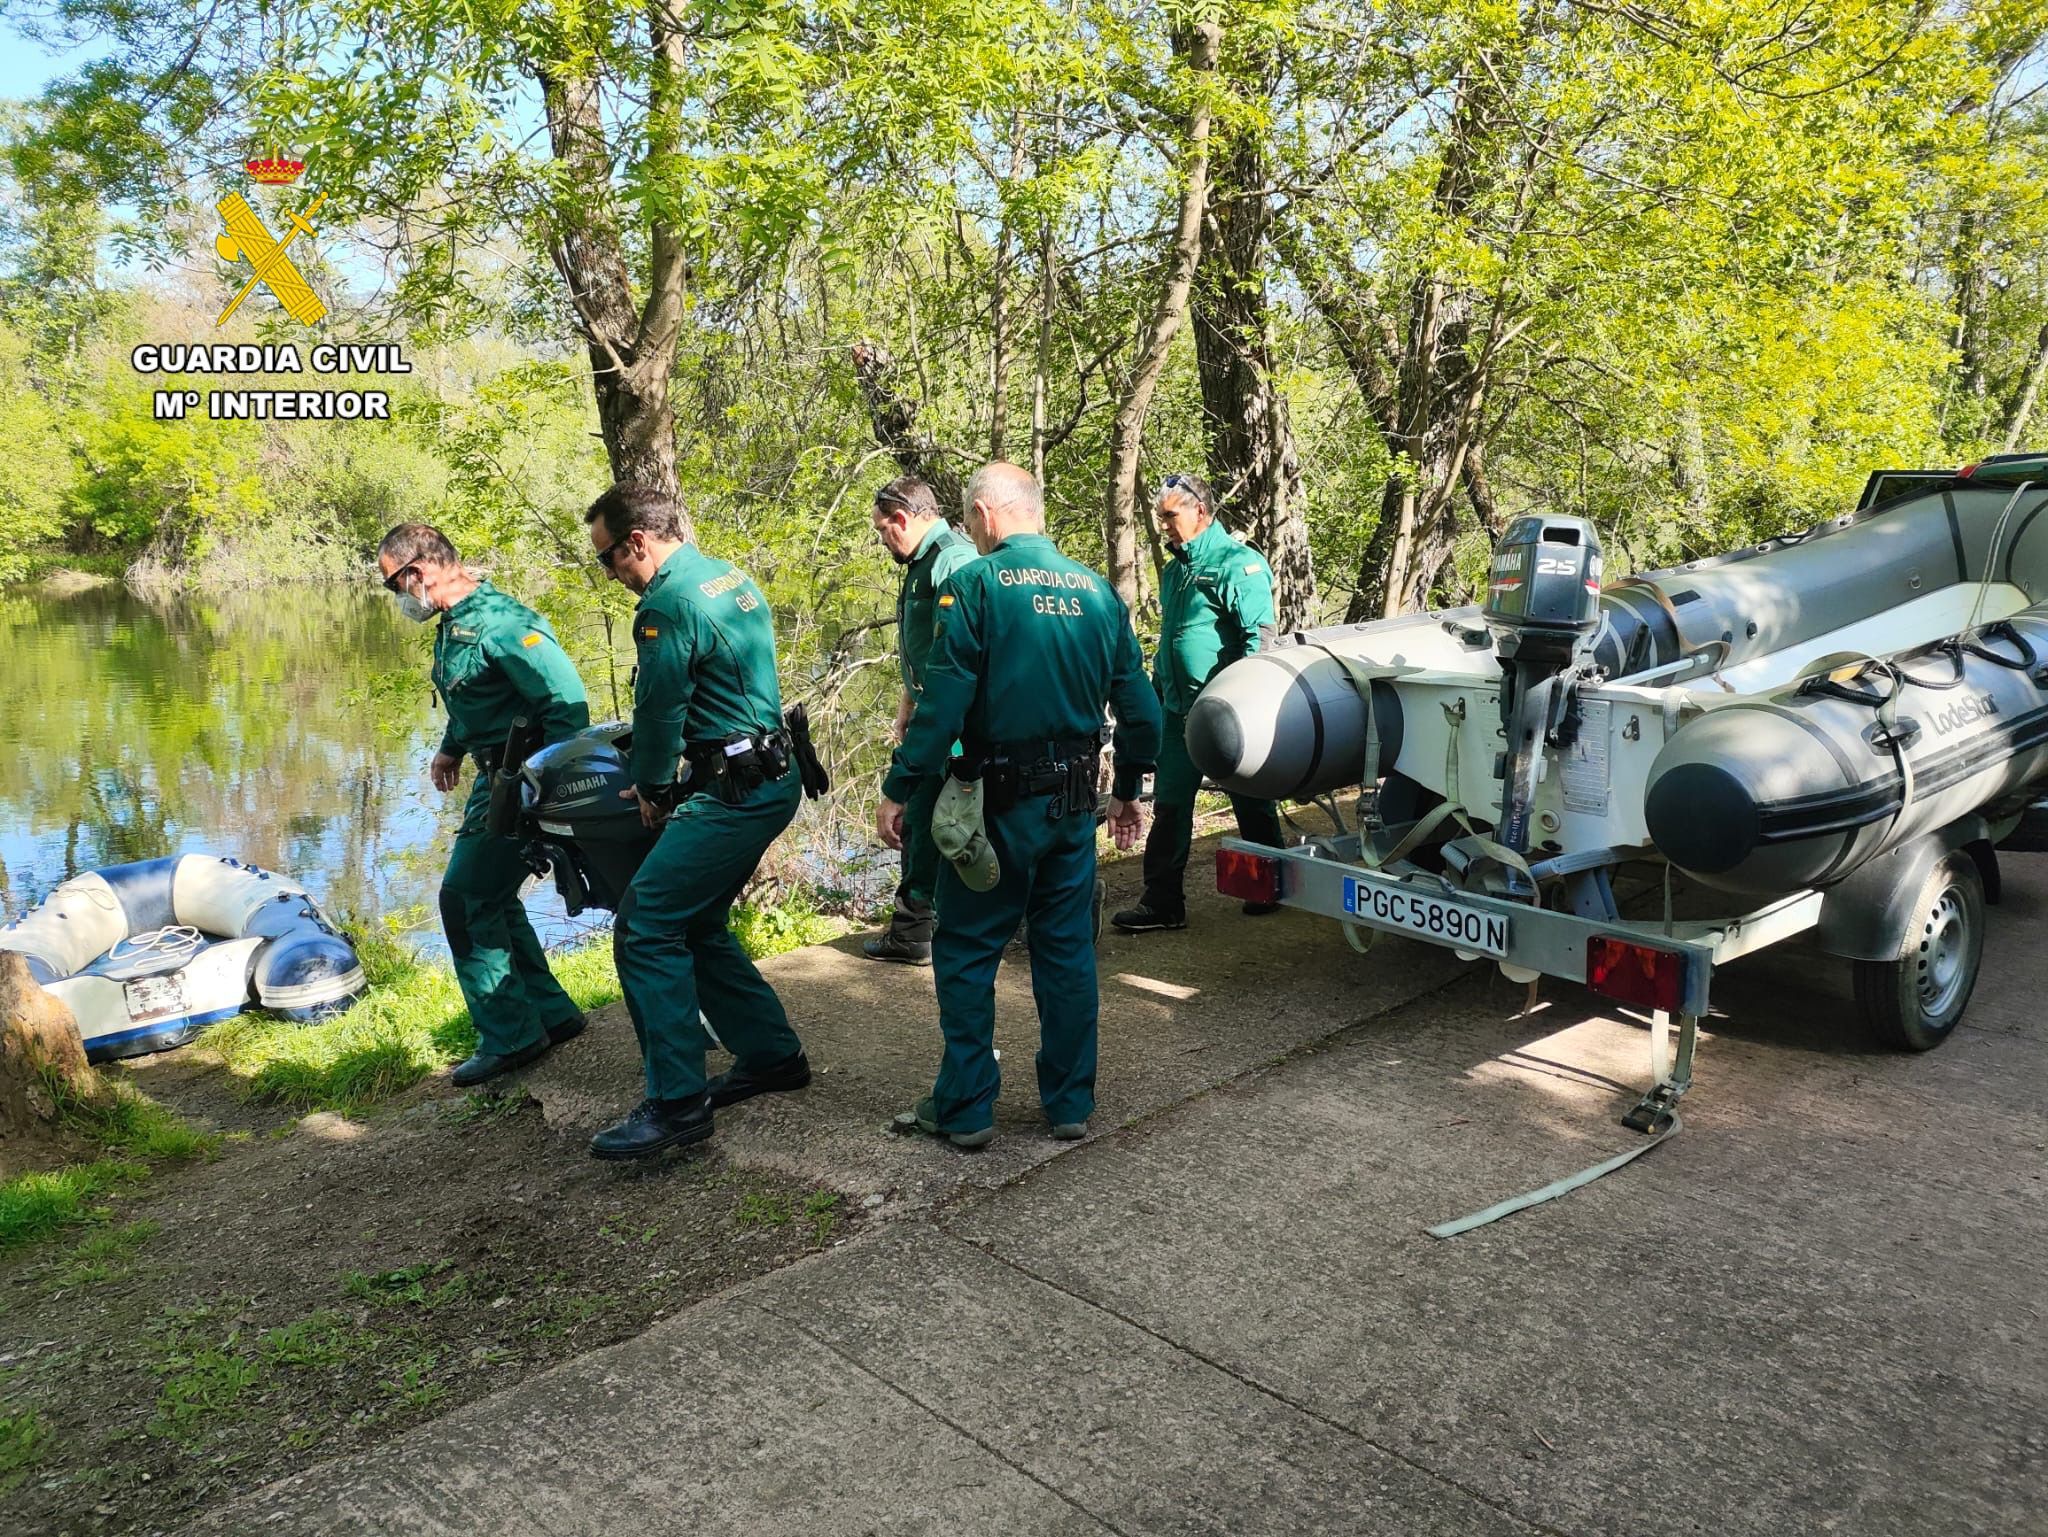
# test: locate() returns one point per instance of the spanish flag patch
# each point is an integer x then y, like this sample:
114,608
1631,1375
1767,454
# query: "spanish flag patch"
945,600
648,632
532,640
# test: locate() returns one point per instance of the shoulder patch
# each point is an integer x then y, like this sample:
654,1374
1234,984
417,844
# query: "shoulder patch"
1252,568
945,600
649,632
531,640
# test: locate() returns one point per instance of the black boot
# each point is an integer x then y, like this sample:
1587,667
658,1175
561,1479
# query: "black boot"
891,946
567,1030
1144,918
486,1065
655,1124
740,1082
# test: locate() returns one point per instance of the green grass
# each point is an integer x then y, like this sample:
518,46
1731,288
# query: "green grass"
412,1021
102,1256
21,1440
115,1116
33,1206
408,1287
123,1120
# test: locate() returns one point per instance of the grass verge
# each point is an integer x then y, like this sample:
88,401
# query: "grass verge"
413,1022
128,1125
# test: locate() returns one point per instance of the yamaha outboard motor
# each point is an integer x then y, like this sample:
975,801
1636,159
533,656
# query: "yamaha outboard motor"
1543,605
571,817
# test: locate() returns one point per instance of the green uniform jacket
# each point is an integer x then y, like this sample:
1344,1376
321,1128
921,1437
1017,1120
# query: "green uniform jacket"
1214,598
494,659
707,663
942,551
1030,648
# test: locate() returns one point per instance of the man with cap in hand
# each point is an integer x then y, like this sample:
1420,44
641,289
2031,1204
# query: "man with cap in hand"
1215,605
1031,650
929,549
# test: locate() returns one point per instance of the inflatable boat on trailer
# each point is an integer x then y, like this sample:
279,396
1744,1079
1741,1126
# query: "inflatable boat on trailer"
146,955
1829,732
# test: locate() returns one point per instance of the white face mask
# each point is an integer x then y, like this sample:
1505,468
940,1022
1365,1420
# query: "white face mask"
413,606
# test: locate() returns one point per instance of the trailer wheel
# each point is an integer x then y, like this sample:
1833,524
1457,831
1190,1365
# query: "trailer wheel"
1914,1002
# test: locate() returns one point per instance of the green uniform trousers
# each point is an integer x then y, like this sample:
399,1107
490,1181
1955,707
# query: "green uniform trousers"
513,998
914,916
1173,819
676,954
1048,876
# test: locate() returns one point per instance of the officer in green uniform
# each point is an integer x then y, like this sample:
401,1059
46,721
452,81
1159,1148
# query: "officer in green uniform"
1215,602
1031,649
495,660
704,693
929,549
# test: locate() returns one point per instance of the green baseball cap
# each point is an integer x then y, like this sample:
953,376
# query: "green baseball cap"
960,832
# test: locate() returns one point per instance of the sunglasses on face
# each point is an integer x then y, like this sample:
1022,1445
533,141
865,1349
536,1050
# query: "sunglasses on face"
395,579
608,557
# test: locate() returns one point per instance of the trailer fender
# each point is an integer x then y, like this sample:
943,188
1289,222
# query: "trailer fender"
1865,917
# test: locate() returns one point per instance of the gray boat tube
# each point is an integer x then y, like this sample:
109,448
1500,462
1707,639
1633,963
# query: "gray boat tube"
1288,722
1800,788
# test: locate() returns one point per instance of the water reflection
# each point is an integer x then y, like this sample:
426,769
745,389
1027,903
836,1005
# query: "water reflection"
291,728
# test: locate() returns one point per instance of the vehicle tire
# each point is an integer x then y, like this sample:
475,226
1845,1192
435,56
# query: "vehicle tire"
1914,1002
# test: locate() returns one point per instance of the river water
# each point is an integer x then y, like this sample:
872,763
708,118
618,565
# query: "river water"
289,728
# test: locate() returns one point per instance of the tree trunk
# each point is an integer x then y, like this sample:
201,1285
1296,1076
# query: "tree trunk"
2022,414
1253,462
38,1040
1120,517
631,345
1972,341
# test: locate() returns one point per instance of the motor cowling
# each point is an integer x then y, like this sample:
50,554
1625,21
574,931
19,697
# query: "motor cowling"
574,814
1543,589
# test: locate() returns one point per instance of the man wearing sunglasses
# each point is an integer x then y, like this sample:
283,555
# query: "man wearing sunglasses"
705,700
1216,604
495,660
929,549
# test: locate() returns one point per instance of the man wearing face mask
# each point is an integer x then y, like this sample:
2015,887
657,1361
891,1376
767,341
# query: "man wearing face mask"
705,699
1215,606
495,660
929,549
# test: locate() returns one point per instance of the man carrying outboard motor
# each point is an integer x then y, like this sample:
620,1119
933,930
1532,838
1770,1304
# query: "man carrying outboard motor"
495,660
704,692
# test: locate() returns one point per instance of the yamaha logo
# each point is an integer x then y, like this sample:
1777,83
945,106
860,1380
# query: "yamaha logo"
1964,713
578,786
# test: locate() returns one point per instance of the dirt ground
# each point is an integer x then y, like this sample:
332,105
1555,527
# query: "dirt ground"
325,1284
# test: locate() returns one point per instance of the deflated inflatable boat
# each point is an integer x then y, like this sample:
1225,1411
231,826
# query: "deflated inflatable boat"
148,954
1838,724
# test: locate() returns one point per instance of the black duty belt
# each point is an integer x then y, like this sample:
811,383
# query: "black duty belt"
1067,769
736,767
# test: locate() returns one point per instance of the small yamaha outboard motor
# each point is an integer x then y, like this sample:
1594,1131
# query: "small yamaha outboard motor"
562,802
1543,605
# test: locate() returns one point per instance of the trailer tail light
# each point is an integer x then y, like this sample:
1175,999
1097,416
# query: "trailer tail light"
1640,974
1247,876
